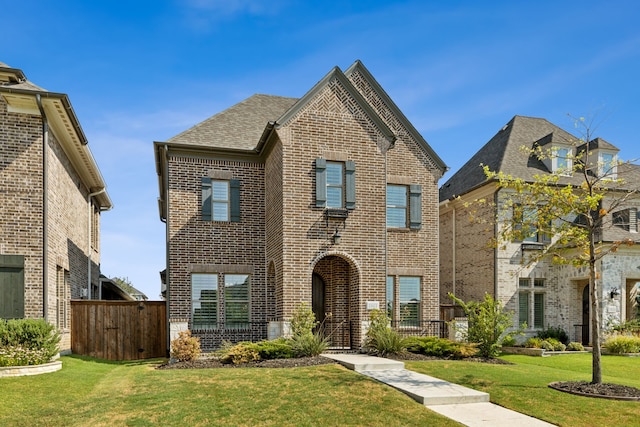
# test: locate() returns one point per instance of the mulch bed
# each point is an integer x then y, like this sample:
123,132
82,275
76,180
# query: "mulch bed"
603,390
271,363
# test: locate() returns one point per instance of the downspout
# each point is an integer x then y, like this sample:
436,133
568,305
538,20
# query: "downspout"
495,249
45,211
453,249
89,230
167,276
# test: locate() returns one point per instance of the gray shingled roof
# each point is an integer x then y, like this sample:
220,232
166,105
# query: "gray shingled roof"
238,127
504,153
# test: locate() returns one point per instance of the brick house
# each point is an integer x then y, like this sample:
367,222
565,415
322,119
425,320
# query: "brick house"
50,204
544,294
330,199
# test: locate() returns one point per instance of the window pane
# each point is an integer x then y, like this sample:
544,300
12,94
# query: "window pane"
523,308
204,295
220,190
538,283
524,282
390,297
220,211
396,217
397,195
236,300
538,310
409,296
334,173
334,197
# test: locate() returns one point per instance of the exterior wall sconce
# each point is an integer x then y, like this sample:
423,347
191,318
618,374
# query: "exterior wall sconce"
337,237
614,293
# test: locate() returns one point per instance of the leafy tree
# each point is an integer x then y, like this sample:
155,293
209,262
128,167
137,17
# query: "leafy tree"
487,323
573,212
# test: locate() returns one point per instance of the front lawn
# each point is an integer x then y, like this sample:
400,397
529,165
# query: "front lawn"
523,386
89,392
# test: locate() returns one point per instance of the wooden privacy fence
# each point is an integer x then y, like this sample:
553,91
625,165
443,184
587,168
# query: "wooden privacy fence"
119,330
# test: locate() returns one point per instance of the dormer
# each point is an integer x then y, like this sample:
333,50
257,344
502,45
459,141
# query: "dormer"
600,157
557,154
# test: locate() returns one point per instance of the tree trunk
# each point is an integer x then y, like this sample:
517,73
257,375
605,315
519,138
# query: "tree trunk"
596,365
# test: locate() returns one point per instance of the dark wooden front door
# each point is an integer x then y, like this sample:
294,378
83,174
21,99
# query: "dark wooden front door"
317,298
585,315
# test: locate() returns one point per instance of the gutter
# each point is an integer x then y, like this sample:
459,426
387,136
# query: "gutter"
45,211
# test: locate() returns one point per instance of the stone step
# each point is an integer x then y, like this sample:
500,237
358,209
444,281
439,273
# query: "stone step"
364,362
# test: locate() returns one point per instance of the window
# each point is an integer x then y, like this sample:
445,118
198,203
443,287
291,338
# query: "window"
204,301
562,161
404,206
607,165
210,309
390,298
531,302
335,184
526,224
396,206
407,312
220,200
236,300
409,298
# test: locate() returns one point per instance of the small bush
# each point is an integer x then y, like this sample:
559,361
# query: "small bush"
380,338
274,349
575,346
623,344
509,341
533,342
185,347
303,320
556,333
440,347
27,342
242,352
629,327
309,345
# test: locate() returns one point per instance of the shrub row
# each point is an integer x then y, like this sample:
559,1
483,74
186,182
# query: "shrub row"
27,342
619,344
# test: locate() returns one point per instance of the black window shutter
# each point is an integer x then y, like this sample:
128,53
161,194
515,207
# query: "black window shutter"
350,184
207,193
415,206
234,195
321,182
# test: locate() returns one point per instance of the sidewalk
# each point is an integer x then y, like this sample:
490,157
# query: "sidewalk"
467,406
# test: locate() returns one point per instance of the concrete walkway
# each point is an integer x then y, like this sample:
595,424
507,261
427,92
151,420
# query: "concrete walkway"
467,406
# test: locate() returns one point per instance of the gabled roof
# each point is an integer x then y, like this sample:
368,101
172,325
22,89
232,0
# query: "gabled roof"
238,127
358,67
22,96
504,153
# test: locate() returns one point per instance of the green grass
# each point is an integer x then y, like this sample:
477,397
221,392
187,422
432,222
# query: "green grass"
523,386
89,392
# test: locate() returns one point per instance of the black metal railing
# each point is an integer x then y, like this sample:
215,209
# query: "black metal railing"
424,328
339,333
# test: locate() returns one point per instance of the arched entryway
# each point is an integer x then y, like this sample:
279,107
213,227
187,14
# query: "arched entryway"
335,300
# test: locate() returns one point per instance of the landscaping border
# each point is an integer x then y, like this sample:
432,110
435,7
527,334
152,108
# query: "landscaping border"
20,371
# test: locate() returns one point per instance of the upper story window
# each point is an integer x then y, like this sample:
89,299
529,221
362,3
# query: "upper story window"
335,184
627,219
526,224
607,165
404,206
562,161
397,203
220,200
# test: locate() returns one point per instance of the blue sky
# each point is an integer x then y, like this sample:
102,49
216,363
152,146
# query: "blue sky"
143,71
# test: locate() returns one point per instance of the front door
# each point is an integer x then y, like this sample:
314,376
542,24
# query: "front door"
317,298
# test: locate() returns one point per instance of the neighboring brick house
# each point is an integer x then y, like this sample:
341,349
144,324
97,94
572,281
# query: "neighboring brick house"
544,295
330,199
51,197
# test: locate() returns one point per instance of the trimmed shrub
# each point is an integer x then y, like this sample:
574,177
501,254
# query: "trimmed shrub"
440,347
380,338
185,347
242,352
629,327
623,344
556,333
509,341
303,320
274,349
575,346
27,342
